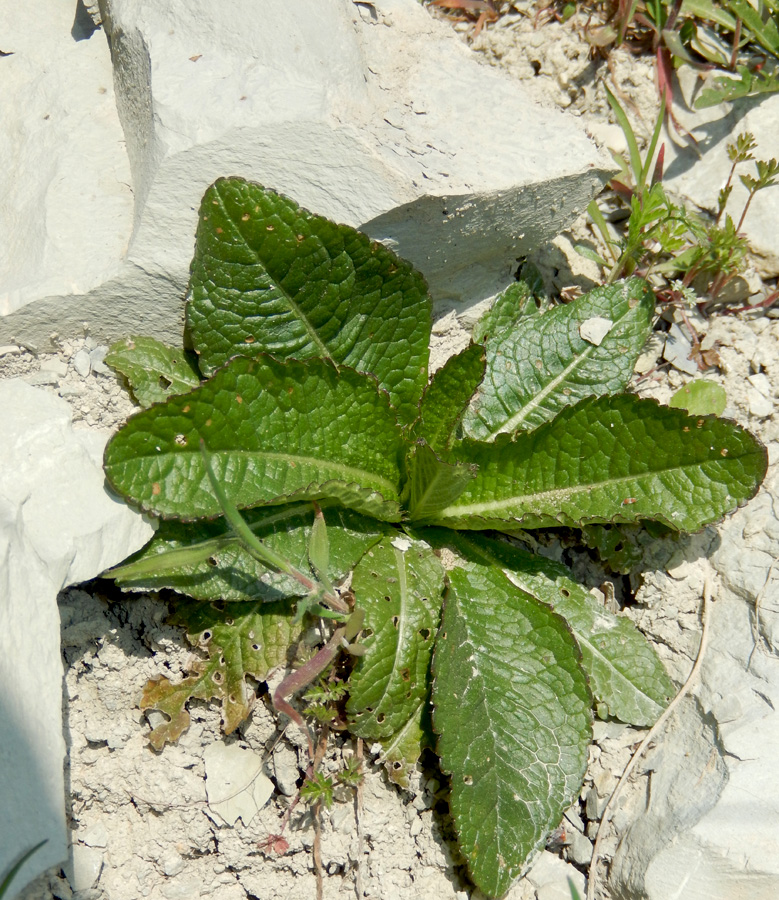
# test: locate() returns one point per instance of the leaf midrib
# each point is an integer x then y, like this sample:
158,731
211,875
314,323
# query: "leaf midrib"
517,580
561,494
581,639
520,416
295,309
358,476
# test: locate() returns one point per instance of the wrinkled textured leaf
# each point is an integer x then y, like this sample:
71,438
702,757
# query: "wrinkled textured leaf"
398,584
269,275
241,639
400,752
545,364
446,397
153,370
617,459
620,547
511,709
207,561
526,297
624,671
433,484
275,431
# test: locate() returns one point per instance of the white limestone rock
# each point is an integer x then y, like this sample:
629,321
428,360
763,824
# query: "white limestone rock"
373,114
58,526
709,829
66,199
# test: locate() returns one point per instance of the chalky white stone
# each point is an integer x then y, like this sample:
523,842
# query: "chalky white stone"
375,115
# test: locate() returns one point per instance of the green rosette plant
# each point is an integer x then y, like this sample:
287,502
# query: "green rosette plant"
307,401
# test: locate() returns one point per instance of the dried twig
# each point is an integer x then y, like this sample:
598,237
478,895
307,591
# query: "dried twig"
358,802
758,600
650,736
321,748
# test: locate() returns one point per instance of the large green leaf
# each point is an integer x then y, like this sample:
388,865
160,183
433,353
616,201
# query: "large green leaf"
207,561
525,297
551,361
511,709
240,639
153,370
625,672
269,275
617,459
275,431
398,584
446,397
432,483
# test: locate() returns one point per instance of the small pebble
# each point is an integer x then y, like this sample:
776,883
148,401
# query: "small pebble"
172,863
580,849
55,365
82,364
759,406
83,867
574,819
36,379
592,805
760,382
419,802
96,358
71,390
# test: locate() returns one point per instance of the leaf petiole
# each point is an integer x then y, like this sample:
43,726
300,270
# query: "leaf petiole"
261,552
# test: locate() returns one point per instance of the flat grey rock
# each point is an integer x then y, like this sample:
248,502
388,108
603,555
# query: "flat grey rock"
710,828
58,526
370,113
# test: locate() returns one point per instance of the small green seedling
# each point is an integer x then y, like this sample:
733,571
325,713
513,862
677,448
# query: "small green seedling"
732,38
667,240
316,418
318,789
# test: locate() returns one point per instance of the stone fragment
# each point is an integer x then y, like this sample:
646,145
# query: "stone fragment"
96,358
55,365
595,329
82,364
83,867
579,849
677,350
39,379
759,405
58,526
286,770
549,875
235,783
66,200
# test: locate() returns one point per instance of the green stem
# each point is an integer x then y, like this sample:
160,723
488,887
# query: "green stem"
261,552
